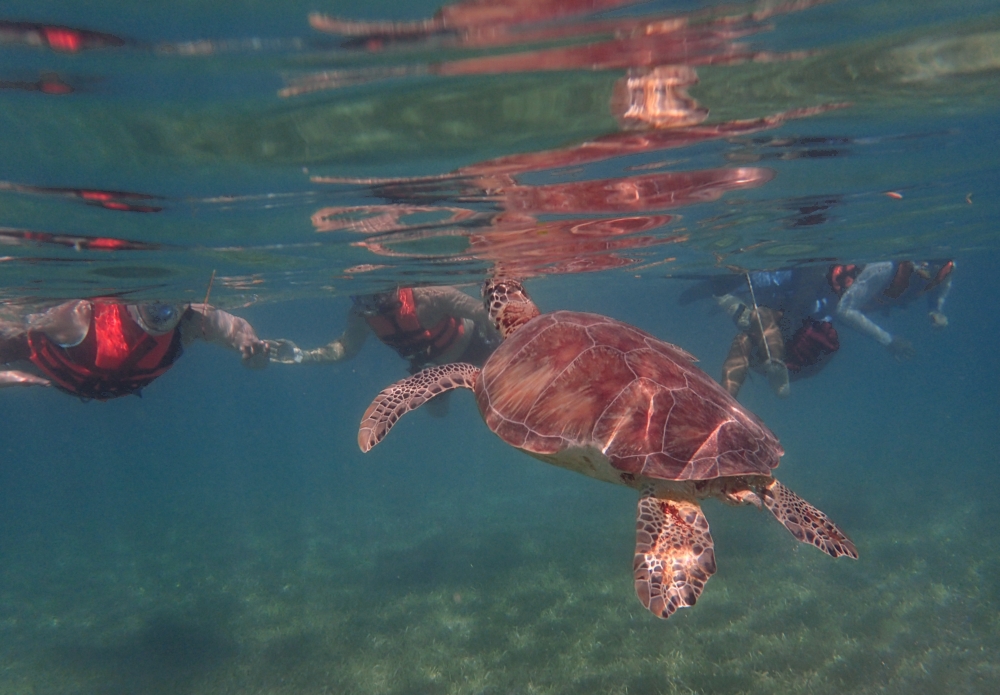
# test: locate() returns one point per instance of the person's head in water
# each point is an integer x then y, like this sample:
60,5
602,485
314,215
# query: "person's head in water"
375,304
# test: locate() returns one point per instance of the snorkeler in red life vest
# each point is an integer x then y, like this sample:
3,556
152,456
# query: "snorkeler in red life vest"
808,301
424,325
895,283
117,356
103,349
394,320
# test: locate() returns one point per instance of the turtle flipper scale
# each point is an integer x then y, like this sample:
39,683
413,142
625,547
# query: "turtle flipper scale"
403,396
807,523
674,554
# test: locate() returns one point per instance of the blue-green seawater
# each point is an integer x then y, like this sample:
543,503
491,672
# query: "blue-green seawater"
224,534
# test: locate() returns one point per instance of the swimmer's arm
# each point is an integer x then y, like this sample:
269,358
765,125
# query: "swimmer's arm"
873,279
937,297
859,322
202,322
343,348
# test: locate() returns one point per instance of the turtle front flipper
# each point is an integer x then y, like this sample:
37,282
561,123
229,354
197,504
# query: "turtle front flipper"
674,554
410,393
805,522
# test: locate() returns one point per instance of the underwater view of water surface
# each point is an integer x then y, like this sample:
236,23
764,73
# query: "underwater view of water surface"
259,215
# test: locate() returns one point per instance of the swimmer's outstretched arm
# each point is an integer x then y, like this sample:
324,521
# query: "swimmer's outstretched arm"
343,348
870,282
202,322
935,303
868,285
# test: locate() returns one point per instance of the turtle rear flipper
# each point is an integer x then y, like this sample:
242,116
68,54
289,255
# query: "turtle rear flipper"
403,396
805,522
674,554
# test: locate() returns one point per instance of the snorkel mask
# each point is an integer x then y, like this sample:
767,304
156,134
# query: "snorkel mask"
375,304
156,318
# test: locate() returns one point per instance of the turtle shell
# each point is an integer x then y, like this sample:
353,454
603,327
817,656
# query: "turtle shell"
568,380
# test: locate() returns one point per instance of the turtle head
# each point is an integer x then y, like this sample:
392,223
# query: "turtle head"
508,305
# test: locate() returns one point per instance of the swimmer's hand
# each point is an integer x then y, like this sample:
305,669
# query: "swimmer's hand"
938,320
901,349
777,377
13,377
255,354
284,351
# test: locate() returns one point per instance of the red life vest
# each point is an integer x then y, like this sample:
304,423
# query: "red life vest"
904,275
116,358
400,329
811,342
900,280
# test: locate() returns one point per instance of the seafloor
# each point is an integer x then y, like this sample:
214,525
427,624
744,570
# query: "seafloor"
500,584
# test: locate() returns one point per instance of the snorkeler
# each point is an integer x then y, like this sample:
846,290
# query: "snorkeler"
768,306
890,283
424,325
761,305
102,348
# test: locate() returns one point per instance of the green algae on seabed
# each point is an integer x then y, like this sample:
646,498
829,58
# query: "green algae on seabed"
539,605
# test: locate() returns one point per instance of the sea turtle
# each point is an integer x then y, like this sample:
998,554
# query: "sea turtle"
601,397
